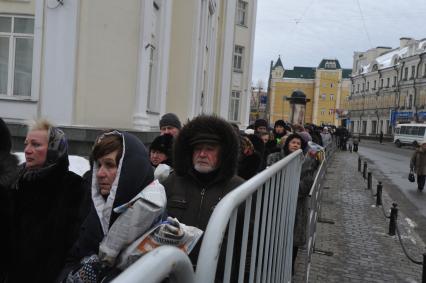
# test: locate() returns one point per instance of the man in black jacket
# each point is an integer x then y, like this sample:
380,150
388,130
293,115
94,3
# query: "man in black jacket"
205,161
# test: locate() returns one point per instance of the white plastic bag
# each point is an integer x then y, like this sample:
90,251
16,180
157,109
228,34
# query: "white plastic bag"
137,216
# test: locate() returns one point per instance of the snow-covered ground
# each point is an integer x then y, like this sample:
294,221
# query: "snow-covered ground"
78,164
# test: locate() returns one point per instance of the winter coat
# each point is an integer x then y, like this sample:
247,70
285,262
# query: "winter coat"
192,196
418,161
249,161
8,174
46,219
134,173
307,177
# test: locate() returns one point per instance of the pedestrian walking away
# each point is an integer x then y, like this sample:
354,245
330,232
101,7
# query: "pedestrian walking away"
418,165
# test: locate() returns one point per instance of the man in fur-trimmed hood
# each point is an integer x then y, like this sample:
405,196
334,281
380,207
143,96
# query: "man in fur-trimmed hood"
205,161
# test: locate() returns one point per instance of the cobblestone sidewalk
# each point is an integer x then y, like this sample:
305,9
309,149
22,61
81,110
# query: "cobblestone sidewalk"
362,249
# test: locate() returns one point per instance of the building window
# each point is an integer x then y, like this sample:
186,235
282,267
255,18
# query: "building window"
16,55
368,86
405,73
241,13
234,105
238,58
323,111
387,82
381,83
374,85
331,85
394,81
410,101
331,96
424,70
413,72
330,112
363,86
323,96
373,127
330,65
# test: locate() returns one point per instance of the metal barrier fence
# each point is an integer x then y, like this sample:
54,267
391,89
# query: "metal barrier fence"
314,207
163,262
263,208
271,245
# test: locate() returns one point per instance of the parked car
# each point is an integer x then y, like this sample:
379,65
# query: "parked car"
78,164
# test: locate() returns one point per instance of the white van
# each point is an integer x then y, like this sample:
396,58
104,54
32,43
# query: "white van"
411,134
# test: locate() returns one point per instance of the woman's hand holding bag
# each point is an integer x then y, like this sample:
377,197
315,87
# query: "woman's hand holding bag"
411,177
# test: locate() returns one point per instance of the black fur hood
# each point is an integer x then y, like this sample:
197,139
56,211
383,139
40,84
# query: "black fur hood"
8,169
207,125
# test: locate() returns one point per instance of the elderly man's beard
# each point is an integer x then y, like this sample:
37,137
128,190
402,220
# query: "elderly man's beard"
202,167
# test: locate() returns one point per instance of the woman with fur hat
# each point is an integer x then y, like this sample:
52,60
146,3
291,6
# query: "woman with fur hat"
8,174
46,207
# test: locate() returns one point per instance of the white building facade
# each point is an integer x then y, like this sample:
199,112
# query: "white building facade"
105,63
388,87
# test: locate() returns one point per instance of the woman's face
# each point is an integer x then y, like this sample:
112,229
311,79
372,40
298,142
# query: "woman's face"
294,145
107,171
36,144
265,138
157,157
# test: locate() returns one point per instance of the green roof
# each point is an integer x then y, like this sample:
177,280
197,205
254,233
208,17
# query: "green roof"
331,64
346,73
300,73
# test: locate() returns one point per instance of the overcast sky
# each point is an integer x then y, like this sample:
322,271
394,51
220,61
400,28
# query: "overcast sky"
304,32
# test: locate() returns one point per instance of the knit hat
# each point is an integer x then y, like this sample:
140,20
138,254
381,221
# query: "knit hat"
280,123
170,119
163,144
260,123
305,136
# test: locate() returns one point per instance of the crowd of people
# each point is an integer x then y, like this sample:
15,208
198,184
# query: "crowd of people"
56,220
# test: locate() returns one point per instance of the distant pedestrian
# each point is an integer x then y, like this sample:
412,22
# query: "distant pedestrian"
260,126
381,137
170,124
160,150
418,165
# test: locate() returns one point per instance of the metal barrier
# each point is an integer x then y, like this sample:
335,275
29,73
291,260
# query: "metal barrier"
314,207
272,228
163,262
263,208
